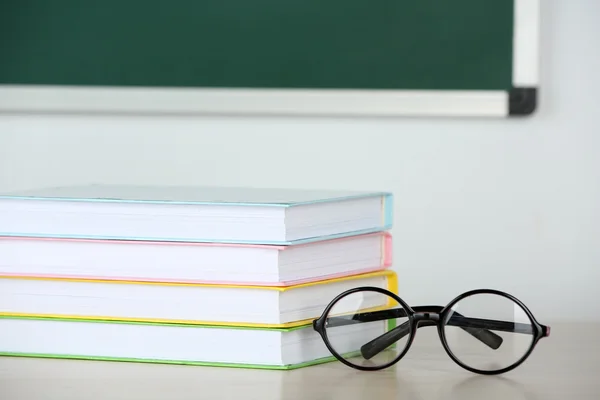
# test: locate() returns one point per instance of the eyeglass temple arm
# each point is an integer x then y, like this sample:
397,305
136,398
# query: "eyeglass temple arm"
489,338
475,326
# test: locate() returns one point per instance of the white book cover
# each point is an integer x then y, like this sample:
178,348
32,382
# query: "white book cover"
202,304
200,345
194,214
190,262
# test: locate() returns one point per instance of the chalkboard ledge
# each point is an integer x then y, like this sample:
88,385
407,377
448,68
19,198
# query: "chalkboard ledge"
286,102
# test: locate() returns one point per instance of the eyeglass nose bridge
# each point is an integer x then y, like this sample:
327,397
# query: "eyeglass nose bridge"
426,316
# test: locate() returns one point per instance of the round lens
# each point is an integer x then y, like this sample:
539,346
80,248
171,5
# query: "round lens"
488,332
368,329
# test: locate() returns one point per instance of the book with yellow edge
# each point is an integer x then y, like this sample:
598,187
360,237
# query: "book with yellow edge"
196,304
259,338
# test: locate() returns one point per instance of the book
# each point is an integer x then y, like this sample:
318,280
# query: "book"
206,345
190,262
205,304
193,214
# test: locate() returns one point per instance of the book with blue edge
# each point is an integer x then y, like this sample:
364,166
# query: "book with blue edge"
194,214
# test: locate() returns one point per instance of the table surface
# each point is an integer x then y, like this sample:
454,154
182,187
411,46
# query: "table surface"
564,366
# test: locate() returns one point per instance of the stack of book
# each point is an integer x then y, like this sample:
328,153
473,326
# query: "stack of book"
184,275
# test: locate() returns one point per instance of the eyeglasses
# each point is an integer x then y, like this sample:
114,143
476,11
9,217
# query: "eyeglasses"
484,331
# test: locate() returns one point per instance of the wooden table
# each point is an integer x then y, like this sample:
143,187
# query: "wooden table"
565,366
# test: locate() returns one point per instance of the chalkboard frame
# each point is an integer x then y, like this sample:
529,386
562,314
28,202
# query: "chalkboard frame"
521,100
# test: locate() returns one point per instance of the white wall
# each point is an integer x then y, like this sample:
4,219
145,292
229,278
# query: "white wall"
510,204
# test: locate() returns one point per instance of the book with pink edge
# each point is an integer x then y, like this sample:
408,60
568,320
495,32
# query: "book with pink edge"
192,262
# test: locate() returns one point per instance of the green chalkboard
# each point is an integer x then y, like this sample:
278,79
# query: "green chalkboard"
385,45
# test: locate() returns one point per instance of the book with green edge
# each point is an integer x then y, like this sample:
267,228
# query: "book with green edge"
176,343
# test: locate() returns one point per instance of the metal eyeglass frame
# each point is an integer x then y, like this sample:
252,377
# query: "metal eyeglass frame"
432,315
